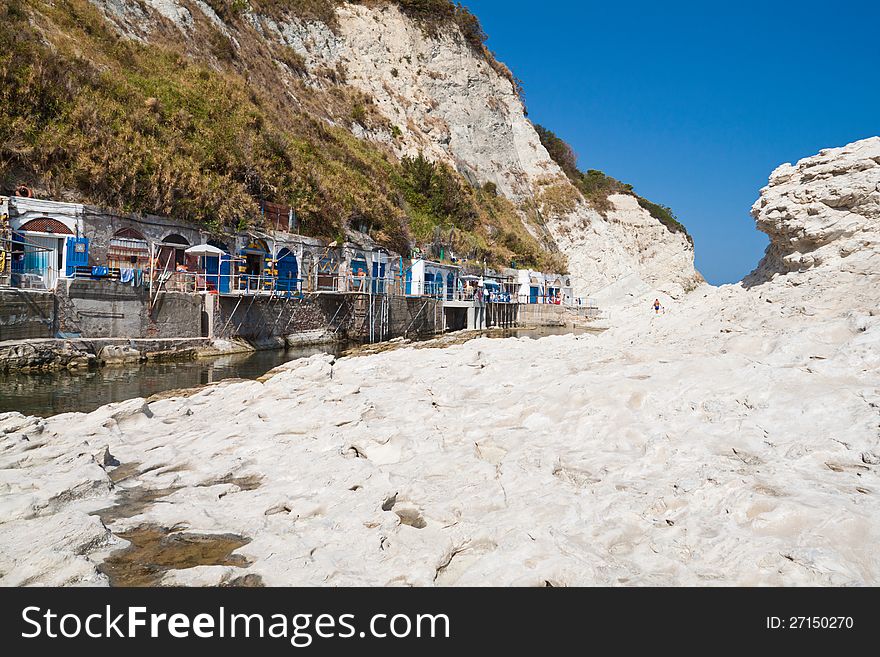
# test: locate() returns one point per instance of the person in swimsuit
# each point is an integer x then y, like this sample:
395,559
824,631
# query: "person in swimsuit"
657,306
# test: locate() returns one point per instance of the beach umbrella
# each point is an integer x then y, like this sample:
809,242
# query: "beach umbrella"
204,250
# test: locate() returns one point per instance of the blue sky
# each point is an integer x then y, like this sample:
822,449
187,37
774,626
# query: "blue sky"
695,103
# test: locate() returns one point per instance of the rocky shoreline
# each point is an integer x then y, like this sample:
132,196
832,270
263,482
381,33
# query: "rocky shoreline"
74,354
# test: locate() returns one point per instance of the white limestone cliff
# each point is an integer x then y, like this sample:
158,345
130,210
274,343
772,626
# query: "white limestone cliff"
823,213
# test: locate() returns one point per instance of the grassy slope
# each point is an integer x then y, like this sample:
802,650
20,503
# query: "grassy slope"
201,130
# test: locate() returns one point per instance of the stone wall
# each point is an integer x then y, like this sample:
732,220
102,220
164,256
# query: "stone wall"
107,309
101,225
411,317
325,317
26,314
175,315
261,318
542,314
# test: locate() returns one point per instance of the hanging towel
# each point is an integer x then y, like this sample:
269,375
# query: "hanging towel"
126,276
99,272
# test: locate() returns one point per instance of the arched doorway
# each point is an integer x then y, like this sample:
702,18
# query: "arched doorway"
288,271
359,273
128,249
450,286
42,247
328,270
251,264
534,289
255,255
172,252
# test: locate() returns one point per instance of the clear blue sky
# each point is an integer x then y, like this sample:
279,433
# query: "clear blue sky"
695,103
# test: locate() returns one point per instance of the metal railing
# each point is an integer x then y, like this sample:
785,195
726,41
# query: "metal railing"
235,283
481,296
33,278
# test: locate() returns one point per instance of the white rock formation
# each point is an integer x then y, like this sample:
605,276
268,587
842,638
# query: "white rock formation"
732,439
625,255
824,212
448,102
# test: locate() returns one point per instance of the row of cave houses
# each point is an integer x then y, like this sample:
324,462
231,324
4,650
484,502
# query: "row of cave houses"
45,242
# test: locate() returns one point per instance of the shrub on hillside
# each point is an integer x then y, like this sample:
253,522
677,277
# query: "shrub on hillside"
597,186
435,191
221,46
292,59
228,10
666,216
314,10
559,151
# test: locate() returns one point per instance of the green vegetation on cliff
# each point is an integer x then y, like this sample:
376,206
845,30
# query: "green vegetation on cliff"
203,131
596,186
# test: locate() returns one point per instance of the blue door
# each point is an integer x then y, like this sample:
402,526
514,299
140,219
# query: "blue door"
288,271
378,278
77,254
450,285
408,281
211,277
218,280
225,274
359,274
533,294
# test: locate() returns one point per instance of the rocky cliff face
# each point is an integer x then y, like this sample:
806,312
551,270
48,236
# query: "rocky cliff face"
822,214
624,253
437,95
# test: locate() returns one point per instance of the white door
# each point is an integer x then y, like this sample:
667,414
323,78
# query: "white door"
41,257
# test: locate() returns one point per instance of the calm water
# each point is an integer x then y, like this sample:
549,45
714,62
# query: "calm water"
63,392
